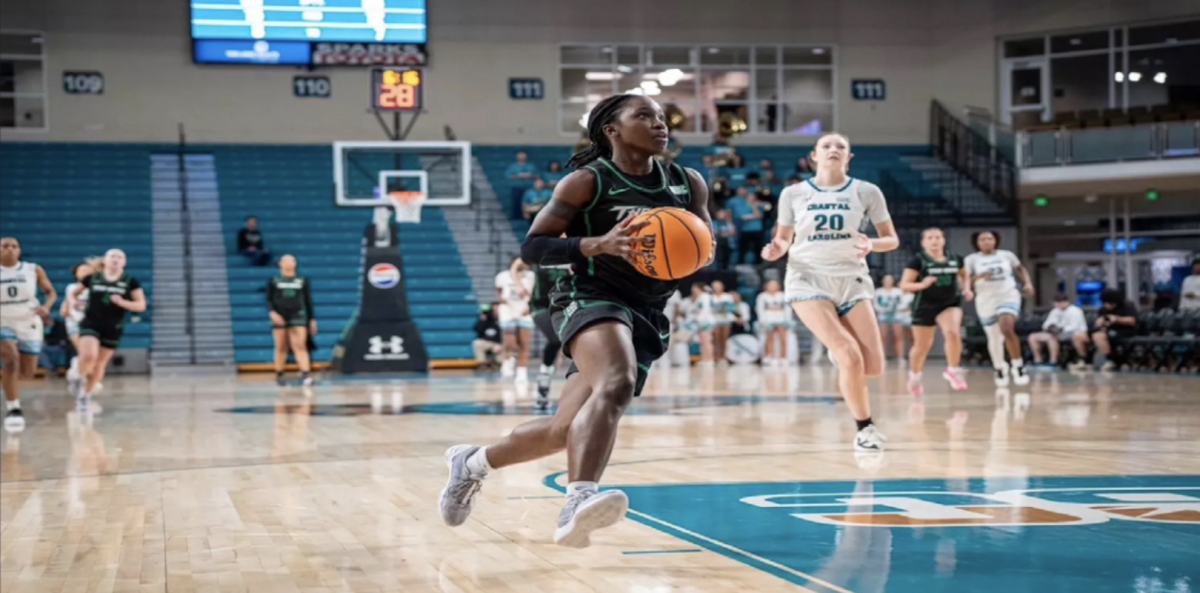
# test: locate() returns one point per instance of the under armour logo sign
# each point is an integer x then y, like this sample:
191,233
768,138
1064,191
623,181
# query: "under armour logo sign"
394,347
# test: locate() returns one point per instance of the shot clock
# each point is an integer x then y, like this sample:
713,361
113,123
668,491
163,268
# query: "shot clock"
397,89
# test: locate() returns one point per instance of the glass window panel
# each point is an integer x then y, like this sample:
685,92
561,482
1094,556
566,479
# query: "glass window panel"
674,84
1165,33
629,54
766,84
1166,75
807,85
808,56
574,117
581,85
1022,48
1118,37
1079,41
670,55
7,75
725,56
28,44
766,56
1112,144
767,120
730,111
1042,149
1079,83
7,112
807,119
687,111
586,54
725,85
1026,87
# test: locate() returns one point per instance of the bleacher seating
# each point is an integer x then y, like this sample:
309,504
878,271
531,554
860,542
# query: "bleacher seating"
289,190
65,202
1107,118
869,162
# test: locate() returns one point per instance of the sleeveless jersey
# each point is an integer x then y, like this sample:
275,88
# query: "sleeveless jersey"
724,307
700,309
510,290
18,289
76,313
1001,263
100,308
946,272
545,279
620,196
887,300
289,294
827,223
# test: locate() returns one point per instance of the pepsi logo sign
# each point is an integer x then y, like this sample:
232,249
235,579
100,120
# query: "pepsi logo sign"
383,276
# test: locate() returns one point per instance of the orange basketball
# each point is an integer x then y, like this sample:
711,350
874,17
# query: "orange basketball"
677,243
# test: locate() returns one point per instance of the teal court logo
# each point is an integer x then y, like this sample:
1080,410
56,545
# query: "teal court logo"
1098,534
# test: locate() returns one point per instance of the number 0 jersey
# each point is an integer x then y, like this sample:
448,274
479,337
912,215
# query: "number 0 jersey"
827,222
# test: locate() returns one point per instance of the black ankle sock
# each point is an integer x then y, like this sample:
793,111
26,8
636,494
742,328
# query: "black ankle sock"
863,423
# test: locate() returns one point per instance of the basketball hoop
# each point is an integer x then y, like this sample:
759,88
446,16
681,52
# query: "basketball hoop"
407,205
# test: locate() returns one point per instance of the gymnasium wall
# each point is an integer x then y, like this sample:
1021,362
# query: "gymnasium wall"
921,48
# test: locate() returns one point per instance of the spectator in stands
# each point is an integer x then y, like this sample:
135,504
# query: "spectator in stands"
1189,292
553,174
1116,323
521,170
765,166
535,199
1064,323
793,180
804,169
726,234
487,343
748,217
250,243
737,171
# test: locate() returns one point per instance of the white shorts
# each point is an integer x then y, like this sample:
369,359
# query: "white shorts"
843,291
515,316
25,330
989,306
72,327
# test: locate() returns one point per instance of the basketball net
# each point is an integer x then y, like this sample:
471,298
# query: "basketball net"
407,205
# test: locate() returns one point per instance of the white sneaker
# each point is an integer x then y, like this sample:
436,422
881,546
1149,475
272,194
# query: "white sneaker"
869,439
508,368
1019,376
458,497
1078,366
522,375
586,512
14,422
1002,378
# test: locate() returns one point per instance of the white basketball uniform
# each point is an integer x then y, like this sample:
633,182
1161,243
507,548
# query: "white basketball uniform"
822,261
18,299
886,302
904,309
514,307
76,315
724,309
773,310
700,313
998,294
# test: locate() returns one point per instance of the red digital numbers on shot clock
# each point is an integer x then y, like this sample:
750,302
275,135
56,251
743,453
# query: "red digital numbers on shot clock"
394,89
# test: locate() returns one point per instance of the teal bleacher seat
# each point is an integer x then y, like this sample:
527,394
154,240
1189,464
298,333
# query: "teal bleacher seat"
287,188
54,196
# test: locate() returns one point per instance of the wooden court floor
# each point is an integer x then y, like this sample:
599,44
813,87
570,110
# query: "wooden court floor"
740,479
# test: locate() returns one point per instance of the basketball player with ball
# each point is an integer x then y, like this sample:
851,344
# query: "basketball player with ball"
633,227
827,281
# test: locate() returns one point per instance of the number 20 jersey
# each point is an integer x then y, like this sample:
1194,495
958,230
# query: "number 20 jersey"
827,222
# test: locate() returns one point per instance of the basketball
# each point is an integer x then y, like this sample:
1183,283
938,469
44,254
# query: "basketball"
677,243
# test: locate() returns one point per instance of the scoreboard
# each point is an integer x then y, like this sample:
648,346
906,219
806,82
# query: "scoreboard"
309,32
393,89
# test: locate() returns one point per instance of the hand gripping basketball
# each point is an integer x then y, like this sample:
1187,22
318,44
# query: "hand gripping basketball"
619,241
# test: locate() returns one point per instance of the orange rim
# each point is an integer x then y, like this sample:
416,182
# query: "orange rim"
405,197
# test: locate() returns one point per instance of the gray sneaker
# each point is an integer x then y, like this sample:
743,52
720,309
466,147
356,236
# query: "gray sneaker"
586,512
458,497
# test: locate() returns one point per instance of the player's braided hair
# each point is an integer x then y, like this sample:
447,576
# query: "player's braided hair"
602,114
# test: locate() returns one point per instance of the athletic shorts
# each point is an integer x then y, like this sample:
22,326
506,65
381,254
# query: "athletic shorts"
72,327
25,330
905,320
990,306
926,312
843,291
293,318
651,328
109,335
